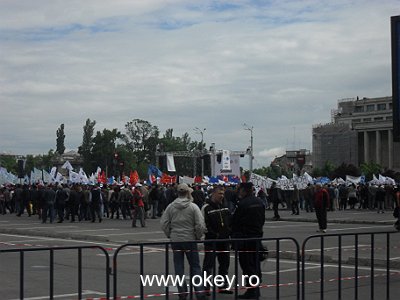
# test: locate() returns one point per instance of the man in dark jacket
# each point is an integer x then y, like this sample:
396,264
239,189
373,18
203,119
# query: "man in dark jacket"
217,218
95,205
247,222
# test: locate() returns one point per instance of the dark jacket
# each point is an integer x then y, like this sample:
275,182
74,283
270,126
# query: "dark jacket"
249,218
218,220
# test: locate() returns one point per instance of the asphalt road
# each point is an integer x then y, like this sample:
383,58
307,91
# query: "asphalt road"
28,233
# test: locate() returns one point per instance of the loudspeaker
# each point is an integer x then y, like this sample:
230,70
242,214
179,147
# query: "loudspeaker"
21,171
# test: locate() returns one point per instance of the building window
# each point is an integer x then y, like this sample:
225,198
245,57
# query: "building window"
359,109
367,120
381,106
357,121
389,118
370,107
390,105
378,118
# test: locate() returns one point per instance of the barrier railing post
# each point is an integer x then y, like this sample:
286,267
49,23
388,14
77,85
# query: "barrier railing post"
277,268
51,273
340,267
372,265
236,269
166,269
21,274
322,258
80,273
387,266
356,267
141,271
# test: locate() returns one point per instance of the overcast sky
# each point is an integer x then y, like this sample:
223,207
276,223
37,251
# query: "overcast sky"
279,66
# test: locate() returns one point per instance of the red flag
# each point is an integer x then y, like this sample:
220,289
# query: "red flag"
243,178
198,179
134,177
166,179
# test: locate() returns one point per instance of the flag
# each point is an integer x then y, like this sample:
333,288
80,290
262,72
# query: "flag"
46,177
53,173
134,177
170,162
74,177
154,170
67,165
166,179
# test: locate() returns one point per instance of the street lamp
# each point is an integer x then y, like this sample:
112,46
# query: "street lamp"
247,127
201,132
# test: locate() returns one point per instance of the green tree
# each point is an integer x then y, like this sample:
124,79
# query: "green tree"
183,164
9,162
60,147
85,150
141,138
368,169
103,150
345,169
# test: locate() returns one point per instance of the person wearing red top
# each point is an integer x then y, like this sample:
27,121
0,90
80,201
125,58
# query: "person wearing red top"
321,205
138,206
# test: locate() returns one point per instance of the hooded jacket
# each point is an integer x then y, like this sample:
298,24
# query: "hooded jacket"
182,221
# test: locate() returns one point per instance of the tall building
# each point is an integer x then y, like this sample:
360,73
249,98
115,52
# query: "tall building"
361,130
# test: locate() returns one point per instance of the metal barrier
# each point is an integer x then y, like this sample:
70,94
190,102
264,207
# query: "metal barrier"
51,251
299,255
167,246
322,241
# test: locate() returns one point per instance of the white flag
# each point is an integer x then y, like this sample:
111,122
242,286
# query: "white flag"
226,160
53,173
67,165
170,163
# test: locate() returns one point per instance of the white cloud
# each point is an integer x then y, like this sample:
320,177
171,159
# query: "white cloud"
185,64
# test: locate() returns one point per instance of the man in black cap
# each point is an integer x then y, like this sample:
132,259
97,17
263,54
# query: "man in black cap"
248,221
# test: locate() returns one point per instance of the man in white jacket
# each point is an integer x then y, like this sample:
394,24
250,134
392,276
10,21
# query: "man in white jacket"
182,221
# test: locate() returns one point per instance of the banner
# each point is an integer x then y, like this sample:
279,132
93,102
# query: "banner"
226,160
170,163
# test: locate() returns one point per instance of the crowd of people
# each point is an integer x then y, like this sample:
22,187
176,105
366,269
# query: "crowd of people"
189,213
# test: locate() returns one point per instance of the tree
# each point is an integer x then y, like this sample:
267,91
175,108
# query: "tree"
103,150
343,170
141,138
87,144
60,147
184,165
368,169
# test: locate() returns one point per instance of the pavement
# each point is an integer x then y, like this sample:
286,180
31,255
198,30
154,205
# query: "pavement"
29,232
25,225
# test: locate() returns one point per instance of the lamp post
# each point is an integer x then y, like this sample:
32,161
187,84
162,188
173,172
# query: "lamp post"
247,127
201,132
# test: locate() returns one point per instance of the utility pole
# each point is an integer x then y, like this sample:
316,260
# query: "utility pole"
201,132
247,127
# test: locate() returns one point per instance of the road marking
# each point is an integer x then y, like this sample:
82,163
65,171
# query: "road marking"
41,227
86,292
88,230
289,270
333,248
355,228
131,233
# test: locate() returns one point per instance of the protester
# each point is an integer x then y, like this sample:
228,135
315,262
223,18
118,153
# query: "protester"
275,196
247,222
294,201
95,204
138,206
217,218
182,222
321,204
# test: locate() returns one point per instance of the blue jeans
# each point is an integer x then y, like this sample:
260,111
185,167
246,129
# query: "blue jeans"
192,255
